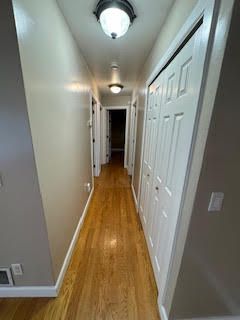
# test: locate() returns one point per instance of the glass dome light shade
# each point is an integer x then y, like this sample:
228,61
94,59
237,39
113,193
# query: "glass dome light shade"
116,88
115,22
115,16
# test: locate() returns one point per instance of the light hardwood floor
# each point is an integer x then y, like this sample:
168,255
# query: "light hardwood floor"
110,275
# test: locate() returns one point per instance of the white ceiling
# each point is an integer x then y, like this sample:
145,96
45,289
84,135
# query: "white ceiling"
129,52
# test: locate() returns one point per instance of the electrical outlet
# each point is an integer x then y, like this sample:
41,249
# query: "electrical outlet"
17,269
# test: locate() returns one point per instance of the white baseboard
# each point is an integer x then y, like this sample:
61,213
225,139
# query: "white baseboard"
134,197
162,311
164,316
28,292
117,149
215,318
72,245
48,291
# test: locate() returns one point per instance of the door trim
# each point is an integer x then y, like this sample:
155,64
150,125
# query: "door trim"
206,10
126,130
132,135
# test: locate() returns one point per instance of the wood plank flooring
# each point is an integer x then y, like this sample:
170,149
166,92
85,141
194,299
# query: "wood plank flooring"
110,275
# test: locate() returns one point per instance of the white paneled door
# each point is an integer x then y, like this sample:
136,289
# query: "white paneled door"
152,120
169,130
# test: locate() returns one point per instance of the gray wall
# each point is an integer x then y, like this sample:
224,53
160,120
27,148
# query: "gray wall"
57,83
209,281
23,235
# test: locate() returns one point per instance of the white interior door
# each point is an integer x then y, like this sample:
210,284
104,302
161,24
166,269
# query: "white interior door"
160,202
107,137
132,139
152,119
94,125
110,135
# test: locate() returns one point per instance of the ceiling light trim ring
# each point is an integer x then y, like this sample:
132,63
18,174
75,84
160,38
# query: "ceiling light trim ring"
119,4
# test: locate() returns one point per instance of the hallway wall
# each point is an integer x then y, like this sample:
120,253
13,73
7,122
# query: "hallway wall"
23,234
177,16
112,100
57,83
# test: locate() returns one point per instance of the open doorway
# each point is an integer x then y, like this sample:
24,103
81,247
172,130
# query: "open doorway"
96,136
117,128
116,124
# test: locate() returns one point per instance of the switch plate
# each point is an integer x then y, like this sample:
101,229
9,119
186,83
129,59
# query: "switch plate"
1,181
216,201
17,269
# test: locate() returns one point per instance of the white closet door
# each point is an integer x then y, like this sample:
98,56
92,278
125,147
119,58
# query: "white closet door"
182,81
152,121
145,186
132,139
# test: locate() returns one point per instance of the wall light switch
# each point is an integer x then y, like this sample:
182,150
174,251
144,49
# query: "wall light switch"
17,269
1,181
216,201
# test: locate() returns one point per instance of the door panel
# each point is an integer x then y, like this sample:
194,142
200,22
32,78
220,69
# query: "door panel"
152,122
167,149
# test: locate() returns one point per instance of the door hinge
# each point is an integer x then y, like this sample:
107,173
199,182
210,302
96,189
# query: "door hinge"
94,166
93,140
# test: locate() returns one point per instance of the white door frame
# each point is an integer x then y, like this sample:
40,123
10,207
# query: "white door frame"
204,9
132,135
97,128
126,131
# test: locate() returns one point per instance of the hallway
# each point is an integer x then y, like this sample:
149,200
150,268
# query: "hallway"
110,275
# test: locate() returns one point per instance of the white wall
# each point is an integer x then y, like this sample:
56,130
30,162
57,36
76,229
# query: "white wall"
23,234
112,100
57,83
177,16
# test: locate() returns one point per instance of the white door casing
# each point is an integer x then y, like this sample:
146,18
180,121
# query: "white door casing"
96,133
162,186
132,139
204,11
107,133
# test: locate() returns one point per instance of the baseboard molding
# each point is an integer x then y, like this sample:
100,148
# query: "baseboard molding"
28,292
215,318
134,197
162,311
72,245
164,316
48,291
117,149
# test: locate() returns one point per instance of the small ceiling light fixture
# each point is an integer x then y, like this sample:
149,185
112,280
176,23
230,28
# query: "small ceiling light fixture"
116,88
114,66
115,16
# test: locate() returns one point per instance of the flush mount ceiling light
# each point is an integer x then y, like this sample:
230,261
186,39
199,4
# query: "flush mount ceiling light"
116,88
115,16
